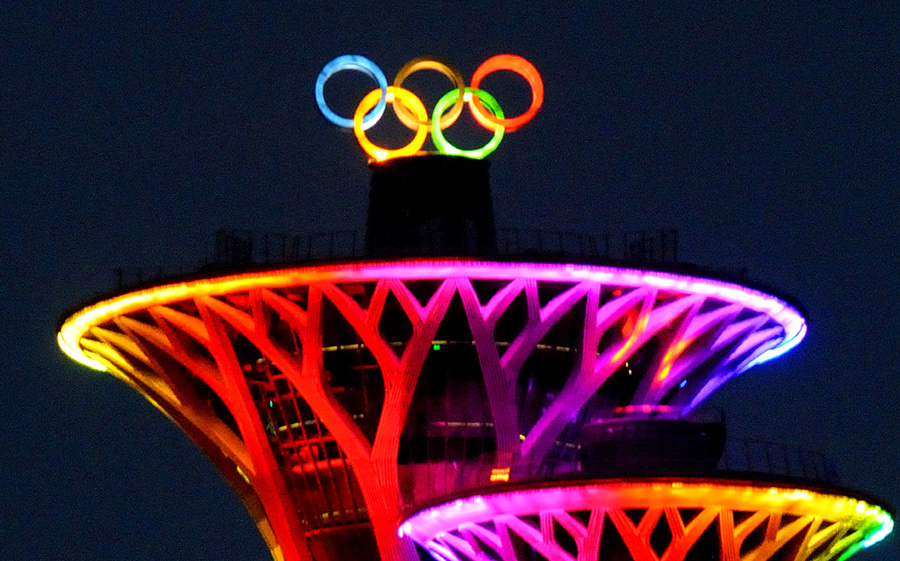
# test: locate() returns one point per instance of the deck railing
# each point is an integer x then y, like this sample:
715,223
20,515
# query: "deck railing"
752,460
241,247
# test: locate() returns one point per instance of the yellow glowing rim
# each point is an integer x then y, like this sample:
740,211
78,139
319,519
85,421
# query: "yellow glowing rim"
406,98
427,63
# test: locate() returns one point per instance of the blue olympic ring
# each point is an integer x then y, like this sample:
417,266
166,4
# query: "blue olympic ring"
360,64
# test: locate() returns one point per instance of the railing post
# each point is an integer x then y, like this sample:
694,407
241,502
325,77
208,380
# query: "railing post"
295,247
675,247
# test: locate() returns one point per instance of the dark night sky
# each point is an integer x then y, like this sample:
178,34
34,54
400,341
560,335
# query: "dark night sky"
768,136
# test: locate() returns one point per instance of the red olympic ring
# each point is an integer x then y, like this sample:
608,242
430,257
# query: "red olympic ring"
521,67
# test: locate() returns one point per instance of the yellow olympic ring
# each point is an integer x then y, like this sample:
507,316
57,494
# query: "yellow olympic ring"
407,99
427,63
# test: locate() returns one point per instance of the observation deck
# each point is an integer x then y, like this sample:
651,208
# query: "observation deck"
478,403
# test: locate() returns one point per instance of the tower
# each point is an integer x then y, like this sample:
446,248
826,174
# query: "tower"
482,395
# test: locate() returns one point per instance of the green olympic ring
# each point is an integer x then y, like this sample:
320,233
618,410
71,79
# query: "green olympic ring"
443,145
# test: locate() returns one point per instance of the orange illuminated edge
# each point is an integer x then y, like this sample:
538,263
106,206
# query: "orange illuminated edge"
627,494
75,326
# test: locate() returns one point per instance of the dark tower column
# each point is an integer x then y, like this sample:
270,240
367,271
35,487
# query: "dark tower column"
430,205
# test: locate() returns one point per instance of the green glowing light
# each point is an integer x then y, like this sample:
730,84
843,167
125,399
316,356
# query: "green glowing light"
882,533
436,347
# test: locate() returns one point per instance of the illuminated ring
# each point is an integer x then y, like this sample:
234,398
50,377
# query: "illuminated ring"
360,64
521,67
426,63
405,97
444,146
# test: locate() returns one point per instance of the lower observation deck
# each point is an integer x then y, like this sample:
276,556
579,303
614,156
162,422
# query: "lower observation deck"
651,519
337,397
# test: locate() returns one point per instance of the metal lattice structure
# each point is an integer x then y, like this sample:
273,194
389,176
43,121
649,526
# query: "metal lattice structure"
340,399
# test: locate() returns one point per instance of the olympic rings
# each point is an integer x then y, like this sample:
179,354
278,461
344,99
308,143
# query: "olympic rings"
412,113
444,146
394,94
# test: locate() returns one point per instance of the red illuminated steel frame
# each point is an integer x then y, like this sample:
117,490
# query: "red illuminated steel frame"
254,368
